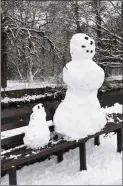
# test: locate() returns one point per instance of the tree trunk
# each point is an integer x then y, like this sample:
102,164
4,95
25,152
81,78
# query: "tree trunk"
122,29
30,76
20,75
98,22
76,10
97,4
3,56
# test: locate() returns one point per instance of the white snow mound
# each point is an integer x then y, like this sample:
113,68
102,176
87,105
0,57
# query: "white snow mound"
116,108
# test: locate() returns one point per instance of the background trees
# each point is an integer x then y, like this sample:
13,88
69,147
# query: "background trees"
37,34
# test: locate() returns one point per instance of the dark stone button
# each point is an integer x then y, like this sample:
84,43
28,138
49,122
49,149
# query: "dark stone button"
86,38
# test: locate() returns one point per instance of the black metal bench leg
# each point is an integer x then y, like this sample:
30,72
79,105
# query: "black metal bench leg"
97,140
119,140
59,156
12,176
122,138
82,154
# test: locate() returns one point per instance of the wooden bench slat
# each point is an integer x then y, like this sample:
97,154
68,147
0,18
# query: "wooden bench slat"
12,141
24,151
7,113
21,152
14,125
112,127
13,150
8,120
42,153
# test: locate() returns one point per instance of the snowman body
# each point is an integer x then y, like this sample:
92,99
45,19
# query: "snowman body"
80,113
37,133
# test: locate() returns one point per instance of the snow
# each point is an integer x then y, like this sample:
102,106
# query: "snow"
81,108
104,167
37,133
9,150
116,108
113,78
25,98
13,156
21,84
13,132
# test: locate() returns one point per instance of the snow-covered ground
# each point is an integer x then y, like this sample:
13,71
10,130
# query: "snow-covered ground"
24,98
104,167
113,78
116,108
18,85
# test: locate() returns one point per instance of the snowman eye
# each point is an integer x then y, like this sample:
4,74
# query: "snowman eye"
87,50
38,107
83,46
91,51
91,42
86,38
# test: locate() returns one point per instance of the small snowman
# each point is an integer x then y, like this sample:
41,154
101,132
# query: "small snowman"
37,133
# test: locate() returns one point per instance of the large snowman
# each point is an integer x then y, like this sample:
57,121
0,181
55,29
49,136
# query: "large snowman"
80,113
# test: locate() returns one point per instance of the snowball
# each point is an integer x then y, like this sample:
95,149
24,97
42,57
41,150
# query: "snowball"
82,47
37,133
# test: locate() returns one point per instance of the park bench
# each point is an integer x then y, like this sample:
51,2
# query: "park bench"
15,154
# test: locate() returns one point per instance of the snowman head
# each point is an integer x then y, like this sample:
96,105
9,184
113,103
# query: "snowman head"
82,47
38,107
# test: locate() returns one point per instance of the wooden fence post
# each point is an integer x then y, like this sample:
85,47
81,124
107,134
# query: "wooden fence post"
122,138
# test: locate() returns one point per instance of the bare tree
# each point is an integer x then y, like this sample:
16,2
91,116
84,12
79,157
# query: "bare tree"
38,34
3,51
26,38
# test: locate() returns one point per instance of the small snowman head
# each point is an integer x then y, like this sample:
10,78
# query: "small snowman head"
38,107
38,112
82,47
